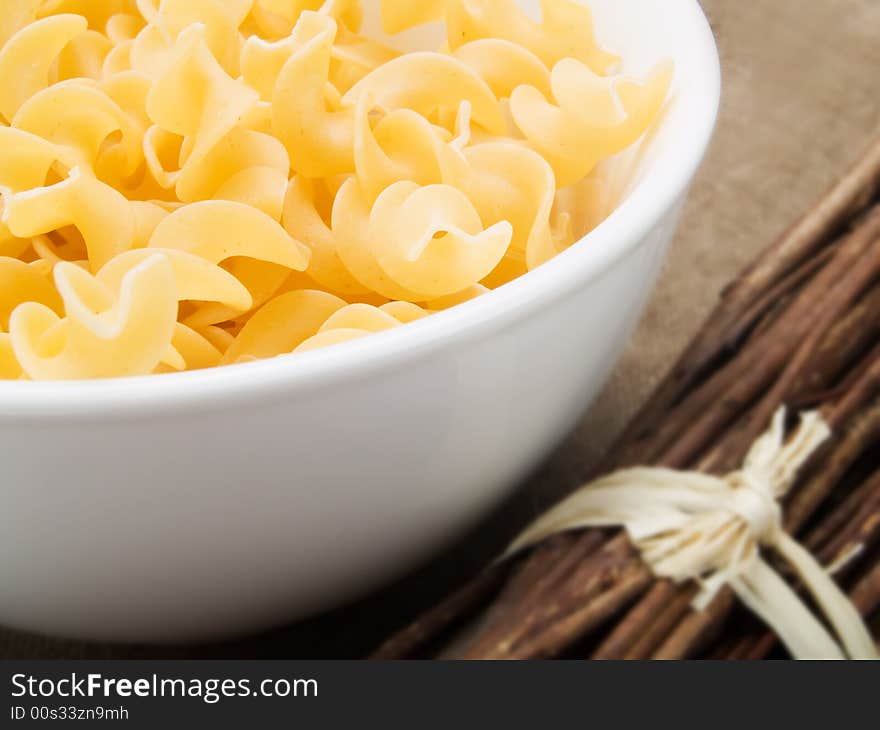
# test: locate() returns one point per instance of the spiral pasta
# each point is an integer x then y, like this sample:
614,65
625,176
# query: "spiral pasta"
186,184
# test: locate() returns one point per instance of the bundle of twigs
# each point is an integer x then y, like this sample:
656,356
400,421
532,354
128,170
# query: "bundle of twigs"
800,327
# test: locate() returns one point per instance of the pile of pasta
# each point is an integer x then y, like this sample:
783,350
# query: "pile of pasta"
192,183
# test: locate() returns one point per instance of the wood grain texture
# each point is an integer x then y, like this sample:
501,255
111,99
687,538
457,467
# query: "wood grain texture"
801,100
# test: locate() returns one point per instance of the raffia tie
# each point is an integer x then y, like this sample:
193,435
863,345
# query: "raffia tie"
693,526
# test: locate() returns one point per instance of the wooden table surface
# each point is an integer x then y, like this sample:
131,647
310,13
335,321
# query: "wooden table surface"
801,100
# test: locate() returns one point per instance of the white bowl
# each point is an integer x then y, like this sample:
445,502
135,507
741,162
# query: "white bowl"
201,505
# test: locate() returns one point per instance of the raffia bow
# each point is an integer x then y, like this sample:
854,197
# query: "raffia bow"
693,526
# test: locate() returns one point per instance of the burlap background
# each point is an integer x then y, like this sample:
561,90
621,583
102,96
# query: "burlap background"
801,100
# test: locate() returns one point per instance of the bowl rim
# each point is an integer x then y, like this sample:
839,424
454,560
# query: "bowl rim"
612,240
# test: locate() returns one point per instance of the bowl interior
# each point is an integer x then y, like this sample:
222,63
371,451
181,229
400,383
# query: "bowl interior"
640,185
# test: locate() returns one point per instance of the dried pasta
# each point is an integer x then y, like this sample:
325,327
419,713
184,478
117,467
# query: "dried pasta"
187,184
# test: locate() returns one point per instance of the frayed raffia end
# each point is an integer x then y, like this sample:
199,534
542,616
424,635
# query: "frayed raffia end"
693,526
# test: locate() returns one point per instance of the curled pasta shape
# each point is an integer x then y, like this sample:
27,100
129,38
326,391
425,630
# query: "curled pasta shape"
80,117
400,15
83,57
98,13
101,214
15,16
244,166
123,27
359,320
282,325
504,65
350,223
129,89
432,240
104,333
217,230
453,300
418,243
195,278
21,282
217,19
303,221
260,187
427,83
195,98
565,29
509,182
360,317
354,56
190,350
590,118
276,18
319,140
262,279
146,217
403,145
27,57
262,61
10,245
25,160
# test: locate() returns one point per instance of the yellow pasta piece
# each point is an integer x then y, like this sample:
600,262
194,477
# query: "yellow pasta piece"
21,282
195,97
401,15
146,216
15,16
350,224
101,335
118,60
565,30
217,230
276,18
283,324
508,182
217,22
403,145
263,188
190,351
453,300
27,57
354,56
591,117
416,243
319,140
100,213
303,221
262,279
427,82
195,278
504,65
404,312
122,27
262,61
129,89
80,118
25,160
236,153
359,320
330,338
83,57
9,366
97,12
360,317
432,240
220,338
